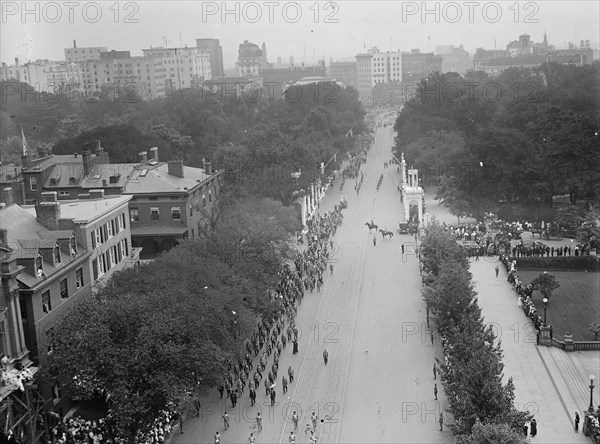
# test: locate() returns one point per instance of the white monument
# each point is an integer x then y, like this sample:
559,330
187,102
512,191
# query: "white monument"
412,193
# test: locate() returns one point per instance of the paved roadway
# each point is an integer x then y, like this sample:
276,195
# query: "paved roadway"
378,384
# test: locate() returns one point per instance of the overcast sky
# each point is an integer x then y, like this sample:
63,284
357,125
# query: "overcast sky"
305,30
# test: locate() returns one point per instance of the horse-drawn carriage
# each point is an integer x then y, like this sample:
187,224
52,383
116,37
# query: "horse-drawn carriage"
403,227
344,202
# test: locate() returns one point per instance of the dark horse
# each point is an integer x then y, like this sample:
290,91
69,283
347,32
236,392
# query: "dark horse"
385,233
371,226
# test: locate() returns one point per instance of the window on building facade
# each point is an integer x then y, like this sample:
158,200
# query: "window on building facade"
63,193
56,255
33,183
39,267
46,302
79,278
124,252
120,222
154,213
98,232
109,229
176,213
112,258
64,289
134,214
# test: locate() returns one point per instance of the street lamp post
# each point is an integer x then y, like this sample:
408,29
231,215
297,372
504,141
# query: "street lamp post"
591,407
545,300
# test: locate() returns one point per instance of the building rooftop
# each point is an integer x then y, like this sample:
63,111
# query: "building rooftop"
83,211
21,224
158,180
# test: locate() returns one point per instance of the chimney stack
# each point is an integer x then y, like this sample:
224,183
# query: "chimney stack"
207,168
49,196
99,150
176,167
48,213
96,194
43,152
154,153
74,44
8,196
87,162
143,156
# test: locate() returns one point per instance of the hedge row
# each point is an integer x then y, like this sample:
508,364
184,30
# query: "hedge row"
471,371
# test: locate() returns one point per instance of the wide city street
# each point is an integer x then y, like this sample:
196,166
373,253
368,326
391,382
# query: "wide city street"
378,385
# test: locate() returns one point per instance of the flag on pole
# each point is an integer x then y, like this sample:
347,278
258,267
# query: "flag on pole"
24,142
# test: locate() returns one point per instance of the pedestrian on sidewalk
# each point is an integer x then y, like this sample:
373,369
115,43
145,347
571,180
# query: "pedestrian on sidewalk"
273,394
402,248
295,419
441,421
435,391
198,406
295,349
374,241
526,428
251,438
234,397
284,384
533,428
330,268
497,270
577,419
252,396
292,438
220,389
314,419
431,338
291,374
225,420
259,422
434,371
325,356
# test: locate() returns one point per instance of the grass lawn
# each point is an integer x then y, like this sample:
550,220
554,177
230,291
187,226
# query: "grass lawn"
573,305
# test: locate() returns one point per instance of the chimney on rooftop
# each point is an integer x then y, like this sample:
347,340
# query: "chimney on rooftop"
143,156
87,162
49,196
8,196
43,152
207,167
175,167
48,213
96,194
99,150
154,153
74,44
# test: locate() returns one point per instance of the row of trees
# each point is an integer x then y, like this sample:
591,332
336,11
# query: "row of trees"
481,404
519,138
159,331
265,140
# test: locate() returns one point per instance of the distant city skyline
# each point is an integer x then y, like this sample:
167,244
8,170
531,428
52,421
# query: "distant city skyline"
43,32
